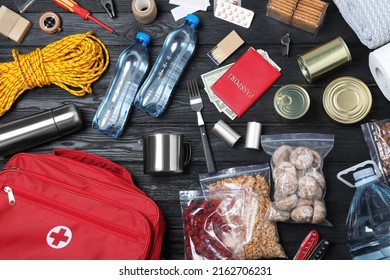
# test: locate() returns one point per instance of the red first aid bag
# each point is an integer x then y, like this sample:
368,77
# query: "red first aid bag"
74,205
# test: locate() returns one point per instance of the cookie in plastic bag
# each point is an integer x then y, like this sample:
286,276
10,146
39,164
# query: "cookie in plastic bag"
299,183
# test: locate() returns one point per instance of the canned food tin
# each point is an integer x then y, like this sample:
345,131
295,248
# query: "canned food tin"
323,58
347,100
291,102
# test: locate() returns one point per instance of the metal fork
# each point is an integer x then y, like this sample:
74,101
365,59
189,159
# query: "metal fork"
197,106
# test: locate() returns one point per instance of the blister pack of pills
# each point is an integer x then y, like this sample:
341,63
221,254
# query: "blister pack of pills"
234,14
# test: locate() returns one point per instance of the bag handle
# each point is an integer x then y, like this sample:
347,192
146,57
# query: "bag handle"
94,160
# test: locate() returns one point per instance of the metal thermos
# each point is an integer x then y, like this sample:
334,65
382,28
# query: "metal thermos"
30,131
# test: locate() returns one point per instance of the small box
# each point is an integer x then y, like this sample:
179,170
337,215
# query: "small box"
12,25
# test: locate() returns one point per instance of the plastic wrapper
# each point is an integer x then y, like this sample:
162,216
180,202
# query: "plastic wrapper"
299,183
23,5
307,15
213,224
377,136
260,238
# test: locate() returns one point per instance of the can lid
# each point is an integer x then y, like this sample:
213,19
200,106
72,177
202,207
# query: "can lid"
291,101
347,100
143,37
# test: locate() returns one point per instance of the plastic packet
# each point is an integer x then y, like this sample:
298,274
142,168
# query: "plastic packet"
299,183
377,136
234,2
23,5
261,238
213,222
307,15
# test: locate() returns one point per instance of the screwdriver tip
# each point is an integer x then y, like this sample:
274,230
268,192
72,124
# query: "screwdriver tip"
116,33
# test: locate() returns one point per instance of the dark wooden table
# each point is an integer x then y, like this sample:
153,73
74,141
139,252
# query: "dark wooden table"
265,33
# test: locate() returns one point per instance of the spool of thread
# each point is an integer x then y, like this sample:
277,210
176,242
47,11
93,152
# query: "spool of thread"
144,11
380,68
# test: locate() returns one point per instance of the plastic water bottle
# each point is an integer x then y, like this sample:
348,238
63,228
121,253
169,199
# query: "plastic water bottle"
368,220
132,65
178,48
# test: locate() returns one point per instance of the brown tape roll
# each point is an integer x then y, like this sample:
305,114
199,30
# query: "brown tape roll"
144,11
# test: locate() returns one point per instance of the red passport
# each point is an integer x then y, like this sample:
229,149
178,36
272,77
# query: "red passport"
245,82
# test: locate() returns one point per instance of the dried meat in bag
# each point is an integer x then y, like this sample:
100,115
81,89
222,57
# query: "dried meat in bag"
212,223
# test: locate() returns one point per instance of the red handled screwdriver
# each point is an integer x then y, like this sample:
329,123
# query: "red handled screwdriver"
73,7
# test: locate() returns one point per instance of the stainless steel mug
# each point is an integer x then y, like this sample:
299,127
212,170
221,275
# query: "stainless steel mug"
165,153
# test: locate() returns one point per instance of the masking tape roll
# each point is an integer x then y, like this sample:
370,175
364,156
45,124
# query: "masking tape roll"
380,68
145,11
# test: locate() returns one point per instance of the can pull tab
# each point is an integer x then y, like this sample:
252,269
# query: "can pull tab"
354,168
11,197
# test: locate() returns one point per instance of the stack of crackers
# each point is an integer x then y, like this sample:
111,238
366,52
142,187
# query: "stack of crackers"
307,15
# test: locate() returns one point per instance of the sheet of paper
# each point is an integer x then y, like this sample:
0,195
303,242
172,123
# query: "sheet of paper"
182,11
199,4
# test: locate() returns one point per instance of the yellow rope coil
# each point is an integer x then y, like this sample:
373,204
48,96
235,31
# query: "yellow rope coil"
72,63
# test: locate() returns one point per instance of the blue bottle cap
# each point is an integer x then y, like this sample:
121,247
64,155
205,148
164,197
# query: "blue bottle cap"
193,19
143,37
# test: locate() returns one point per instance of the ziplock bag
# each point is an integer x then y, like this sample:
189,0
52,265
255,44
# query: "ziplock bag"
261,240
213,222
299,184
377,136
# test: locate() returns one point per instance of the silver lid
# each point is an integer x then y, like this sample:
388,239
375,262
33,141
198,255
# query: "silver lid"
253,131
226,133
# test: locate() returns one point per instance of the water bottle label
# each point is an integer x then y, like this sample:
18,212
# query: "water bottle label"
164,66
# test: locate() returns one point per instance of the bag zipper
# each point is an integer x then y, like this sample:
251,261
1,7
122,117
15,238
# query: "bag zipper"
10,193
45,203
57,184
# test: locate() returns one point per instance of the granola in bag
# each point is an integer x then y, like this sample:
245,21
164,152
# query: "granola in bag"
299,183
261,238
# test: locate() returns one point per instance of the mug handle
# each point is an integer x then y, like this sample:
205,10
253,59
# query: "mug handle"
188,153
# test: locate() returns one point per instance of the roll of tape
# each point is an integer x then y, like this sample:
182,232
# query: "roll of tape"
144,11
380,68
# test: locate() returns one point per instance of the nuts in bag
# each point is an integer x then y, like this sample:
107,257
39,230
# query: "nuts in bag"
299,183
260,238
213,222
377,136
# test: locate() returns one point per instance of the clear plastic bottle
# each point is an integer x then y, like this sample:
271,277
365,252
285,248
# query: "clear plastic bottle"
132,65
178,48
368,220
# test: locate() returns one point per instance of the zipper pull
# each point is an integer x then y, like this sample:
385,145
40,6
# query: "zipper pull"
11,197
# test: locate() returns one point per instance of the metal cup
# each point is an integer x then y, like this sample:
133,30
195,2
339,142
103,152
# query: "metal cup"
165,153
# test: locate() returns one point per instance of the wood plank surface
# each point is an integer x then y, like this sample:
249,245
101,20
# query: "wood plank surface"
265,33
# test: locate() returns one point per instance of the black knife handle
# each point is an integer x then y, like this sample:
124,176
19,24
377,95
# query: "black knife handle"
319,250
207,150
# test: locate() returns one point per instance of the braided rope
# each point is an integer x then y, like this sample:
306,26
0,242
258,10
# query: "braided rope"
72,63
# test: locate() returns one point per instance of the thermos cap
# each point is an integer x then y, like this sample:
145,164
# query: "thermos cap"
226,133
67,119
252,139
